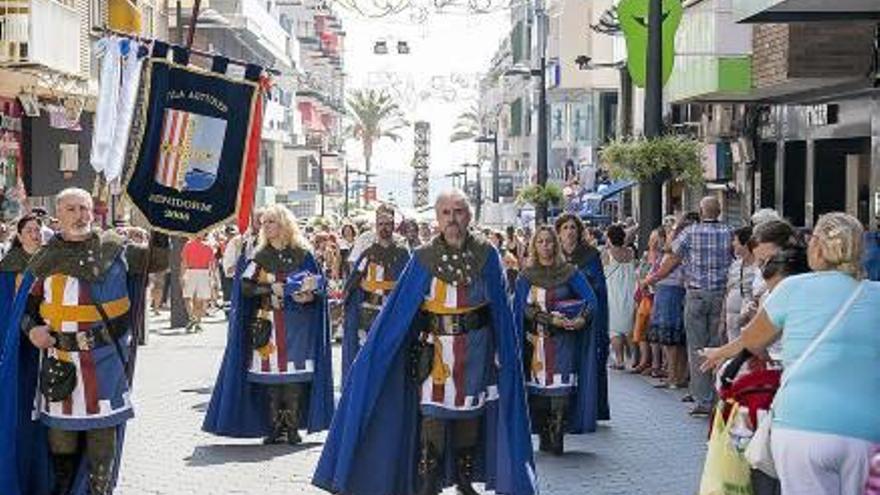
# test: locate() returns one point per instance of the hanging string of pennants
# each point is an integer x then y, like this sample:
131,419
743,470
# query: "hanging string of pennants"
187,137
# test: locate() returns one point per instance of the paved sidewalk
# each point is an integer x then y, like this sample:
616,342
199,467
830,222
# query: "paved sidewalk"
650,447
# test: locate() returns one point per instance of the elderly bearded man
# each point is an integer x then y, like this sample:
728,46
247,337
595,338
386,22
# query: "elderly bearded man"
439,381
369,285
81,297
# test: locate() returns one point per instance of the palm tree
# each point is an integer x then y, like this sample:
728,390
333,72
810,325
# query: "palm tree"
375,115
469,125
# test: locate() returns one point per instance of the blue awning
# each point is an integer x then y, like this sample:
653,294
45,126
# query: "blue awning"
614,188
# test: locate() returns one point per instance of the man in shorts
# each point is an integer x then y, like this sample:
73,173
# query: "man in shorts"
197,266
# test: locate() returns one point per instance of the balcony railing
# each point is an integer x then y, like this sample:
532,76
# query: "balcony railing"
257,25
26,37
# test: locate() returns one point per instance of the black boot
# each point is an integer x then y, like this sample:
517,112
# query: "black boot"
65,471
101,453
544,437
290,427
101,476
429,472
464,473
539,410
292,417
279,432
556,432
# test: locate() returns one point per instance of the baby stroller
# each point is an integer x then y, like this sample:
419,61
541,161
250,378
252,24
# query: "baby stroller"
752,383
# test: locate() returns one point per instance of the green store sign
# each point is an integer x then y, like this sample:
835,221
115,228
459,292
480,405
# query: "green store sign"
633,16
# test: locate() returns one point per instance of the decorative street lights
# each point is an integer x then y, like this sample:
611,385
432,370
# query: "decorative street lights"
495,179
321,155
541,74
455,175
479,188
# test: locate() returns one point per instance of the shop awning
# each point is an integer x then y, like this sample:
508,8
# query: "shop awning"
613,189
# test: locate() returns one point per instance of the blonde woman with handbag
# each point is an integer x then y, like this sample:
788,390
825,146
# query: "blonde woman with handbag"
825,419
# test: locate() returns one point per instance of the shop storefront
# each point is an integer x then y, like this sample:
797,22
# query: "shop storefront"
826,148
11,158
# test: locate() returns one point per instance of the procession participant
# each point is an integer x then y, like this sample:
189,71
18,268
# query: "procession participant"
79,301
276,372
27,241
577,251
369,285
437,391
552,309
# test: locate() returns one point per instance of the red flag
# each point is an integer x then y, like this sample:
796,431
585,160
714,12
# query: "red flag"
248,188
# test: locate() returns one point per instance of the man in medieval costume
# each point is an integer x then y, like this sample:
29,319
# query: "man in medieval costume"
80,301
436,396
369,285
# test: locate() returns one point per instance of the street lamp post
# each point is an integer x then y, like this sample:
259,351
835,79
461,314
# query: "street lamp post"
454,176
541,74
345,201
321,155
650,191
479,188
496,181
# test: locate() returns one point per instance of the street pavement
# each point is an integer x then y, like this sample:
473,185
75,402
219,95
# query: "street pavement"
650,447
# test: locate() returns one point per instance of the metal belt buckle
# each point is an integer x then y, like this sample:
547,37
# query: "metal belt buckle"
85,341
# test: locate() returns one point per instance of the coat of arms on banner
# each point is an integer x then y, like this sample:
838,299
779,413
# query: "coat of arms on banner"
195,130
190,149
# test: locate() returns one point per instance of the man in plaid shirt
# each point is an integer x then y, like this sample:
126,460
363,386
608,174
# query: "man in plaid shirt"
706,250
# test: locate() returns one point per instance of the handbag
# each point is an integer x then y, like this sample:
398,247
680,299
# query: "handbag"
57,378
759,452
725,471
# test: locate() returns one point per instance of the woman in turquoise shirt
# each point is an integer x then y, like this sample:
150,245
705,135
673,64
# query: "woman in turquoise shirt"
827,417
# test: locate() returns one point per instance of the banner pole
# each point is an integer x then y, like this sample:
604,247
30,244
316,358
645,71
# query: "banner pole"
193,21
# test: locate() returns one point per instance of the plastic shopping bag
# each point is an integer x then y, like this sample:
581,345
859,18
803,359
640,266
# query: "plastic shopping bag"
726,471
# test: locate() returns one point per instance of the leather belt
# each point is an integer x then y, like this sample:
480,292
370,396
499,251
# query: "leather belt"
456,324
374,299
538,328
93,338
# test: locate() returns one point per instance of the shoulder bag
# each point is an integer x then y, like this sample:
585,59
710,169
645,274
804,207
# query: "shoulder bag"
759,453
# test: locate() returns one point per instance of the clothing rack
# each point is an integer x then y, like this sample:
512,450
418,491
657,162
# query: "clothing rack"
193,51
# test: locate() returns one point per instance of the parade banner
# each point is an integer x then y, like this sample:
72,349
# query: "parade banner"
191,145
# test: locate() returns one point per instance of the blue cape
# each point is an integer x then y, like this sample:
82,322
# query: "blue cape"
372,445
595,275
25,466
354,297
871,259
238,408
583,410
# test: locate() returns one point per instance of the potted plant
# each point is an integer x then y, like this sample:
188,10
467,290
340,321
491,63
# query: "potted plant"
549,195
667,157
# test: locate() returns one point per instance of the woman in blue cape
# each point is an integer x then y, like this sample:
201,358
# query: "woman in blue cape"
31,444
436,396
276,374
586,258
552,306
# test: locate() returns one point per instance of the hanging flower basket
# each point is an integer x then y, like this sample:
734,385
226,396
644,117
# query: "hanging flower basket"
548,195
668,157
